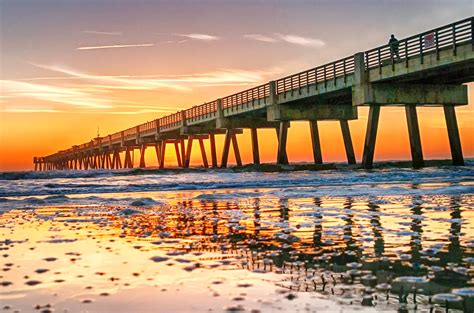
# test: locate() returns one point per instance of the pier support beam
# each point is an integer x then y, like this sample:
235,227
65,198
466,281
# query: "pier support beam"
178,154
158,152
116,162
230,136
203,153
102,160
371,136
453,134
212,140
235,146
163,150
414,136
183,150
189,148
107,160
315,142
187,158
225,149
128,158
255,152
115,156
142,156
282,157
346,136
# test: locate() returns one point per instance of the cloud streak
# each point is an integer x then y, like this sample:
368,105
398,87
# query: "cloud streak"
288,38
259,37
183,82
142,111
116,46
89,92
95,32
302,41
196,36
57,94
29,110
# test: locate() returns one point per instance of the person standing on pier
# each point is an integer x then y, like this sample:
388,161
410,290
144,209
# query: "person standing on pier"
393,44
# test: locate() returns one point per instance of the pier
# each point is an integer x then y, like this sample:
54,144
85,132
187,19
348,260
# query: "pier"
430,70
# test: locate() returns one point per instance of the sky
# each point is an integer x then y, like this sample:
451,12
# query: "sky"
72,68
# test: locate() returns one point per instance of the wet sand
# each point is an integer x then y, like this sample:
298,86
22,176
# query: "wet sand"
195,251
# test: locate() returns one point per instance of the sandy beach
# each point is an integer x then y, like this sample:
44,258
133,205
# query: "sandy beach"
275,249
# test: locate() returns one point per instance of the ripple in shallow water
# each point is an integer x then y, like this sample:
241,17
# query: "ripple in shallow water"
280,253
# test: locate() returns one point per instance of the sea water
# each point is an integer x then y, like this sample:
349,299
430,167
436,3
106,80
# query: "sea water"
238,241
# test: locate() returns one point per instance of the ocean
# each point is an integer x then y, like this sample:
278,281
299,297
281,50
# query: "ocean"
230,240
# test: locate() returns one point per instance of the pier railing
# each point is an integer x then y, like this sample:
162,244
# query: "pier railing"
147,127
432,41
246,97
116,136
201,112
132,131
323,73
171,121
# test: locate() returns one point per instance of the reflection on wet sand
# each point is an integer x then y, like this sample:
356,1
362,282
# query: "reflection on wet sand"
393,253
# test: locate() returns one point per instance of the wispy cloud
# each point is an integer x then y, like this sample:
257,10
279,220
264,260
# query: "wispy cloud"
292,39
58,94
95,32
183,82
150,107
259,37
116,46
28,110
75,89
142,111
112,82
195,36
302,41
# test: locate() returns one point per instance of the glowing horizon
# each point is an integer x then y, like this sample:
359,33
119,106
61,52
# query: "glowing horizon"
107,70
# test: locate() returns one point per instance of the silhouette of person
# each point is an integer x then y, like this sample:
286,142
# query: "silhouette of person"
393,44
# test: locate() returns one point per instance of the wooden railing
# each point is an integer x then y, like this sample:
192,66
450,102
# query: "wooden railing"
116,136
246,96
432,41
170,121
419,45
147,127
323,73
208,109
83,146
132,131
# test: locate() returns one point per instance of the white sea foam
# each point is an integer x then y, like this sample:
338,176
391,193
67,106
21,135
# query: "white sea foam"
33,189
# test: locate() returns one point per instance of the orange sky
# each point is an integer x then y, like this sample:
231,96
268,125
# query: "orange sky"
69,67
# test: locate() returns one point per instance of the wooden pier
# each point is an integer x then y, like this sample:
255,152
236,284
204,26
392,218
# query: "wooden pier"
431,71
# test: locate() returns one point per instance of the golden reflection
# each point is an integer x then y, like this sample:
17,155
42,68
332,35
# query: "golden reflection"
327,247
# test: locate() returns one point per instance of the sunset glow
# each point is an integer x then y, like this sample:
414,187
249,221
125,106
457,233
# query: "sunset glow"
71,70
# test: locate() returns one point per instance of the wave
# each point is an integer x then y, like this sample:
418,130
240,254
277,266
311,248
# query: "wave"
131,205
95,200
340,181
31,175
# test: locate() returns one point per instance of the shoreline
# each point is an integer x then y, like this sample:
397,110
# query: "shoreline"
264,167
